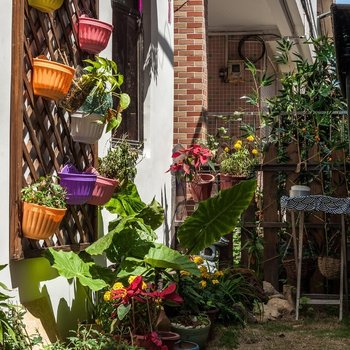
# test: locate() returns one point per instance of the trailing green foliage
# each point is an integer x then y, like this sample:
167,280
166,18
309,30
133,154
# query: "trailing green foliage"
215,217
45,192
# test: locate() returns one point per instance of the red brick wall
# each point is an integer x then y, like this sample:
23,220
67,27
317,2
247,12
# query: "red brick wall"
190,69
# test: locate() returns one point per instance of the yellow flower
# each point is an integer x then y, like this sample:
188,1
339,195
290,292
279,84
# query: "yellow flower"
239,142
250,138
131,279
184,273
144,285
198,260
215,281
118,285
226,149
107,296
206,275
255,151
203,283
203,269
237,146
218,273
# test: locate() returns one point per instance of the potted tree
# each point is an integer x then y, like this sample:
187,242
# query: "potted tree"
90,100
44,206
117,167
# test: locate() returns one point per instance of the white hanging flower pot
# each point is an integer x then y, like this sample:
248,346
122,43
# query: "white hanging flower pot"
86,128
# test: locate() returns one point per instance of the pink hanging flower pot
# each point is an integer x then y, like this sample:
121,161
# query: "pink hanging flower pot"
103,190
93,34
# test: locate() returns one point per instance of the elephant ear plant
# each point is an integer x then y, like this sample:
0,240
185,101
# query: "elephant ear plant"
130,243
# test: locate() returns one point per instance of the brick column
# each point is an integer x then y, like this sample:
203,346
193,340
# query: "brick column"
190,69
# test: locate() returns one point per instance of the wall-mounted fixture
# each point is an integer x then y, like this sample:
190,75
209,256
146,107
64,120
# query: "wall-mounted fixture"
233,73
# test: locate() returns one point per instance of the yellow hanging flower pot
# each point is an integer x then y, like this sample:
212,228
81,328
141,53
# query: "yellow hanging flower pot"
46,5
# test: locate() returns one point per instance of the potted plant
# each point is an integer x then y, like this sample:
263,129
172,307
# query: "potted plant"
194,328
137,307
46,5
93,34
237,163
187,164
116,168
51,79
79,185
90,100
44,206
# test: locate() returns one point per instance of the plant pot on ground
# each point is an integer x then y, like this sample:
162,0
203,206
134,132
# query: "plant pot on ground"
51,79
192,328
44,206
93,34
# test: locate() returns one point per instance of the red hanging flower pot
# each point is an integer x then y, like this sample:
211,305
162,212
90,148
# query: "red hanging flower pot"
93,34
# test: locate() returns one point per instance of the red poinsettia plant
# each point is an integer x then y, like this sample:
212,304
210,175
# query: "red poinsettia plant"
137,307
188,161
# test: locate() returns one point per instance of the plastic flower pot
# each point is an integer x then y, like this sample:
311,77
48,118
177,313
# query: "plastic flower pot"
86,128
103,190
201,186
169,338
51,79
79,185
46,5
93,34
188,345
40,222
228,181
198,335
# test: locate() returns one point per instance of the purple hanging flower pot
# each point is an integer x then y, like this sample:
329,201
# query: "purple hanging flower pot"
79,185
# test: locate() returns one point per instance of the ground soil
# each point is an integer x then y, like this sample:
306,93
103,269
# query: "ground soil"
311,333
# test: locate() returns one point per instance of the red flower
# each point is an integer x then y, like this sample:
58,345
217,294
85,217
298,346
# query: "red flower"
167,293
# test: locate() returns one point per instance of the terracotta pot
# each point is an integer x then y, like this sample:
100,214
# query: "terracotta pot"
169,338
103,190
51,79
213,315
86,128
40,222
93,34
228,181
46,5
201,187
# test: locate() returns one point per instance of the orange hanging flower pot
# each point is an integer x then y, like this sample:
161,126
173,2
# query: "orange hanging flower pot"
40,222
51,79
46,5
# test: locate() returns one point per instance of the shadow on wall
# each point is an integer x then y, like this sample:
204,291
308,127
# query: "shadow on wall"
53,300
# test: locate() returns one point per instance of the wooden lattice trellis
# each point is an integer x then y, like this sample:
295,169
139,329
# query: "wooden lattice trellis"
40,135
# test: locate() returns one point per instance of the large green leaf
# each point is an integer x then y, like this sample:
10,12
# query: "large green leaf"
98,247
70,265
126,201
162,256
131,267
215,217
152,214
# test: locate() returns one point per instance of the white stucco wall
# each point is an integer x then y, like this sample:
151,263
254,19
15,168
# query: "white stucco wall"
34,278
152,179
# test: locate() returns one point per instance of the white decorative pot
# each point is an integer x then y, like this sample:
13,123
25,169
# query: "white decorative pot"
86,128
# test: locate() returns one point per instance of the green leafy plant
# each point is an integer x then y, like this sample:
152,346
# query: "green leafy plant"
215,217
120,161
94,89
45,192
